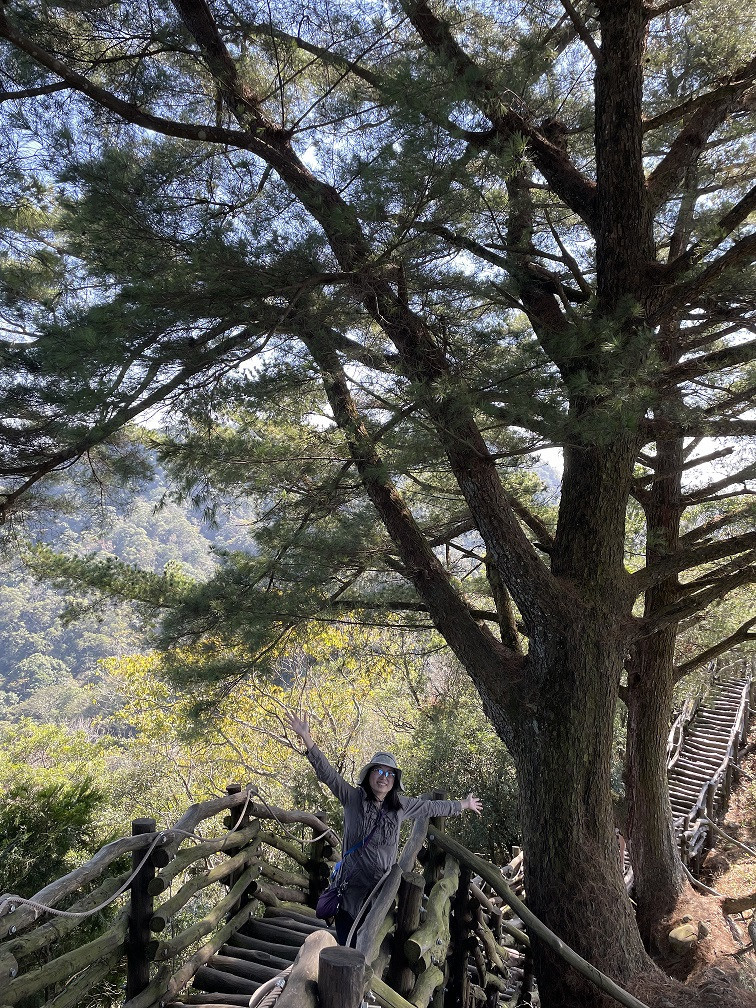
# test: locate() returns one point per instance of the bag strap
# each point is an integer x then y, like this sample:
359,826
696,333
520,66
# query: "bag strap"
368,838
339,866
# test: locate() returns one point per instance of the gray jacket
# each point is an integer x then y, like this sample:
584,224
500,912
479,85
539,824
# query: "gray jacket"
364,867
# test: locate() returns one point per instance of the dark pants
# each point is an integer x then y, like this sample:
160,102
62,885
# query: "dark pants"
343,924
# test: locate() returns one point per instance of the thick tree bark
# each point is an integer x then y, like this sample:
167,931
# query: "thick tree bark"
563,754
653,850
651,679
561,737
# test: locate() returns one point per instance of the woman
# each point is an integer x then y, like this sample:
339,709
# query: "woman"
374,809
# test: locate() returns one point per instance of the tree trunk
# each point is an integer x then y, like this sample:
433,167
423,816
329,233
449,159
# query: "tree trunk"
561,736
563,752
653,849
651,678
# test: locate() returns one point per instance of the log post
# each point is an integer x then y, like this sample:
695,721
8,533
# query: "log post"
317,868
400,976
237,819
710,788
684,854
141,910
341,977
458,993
435,860
235,815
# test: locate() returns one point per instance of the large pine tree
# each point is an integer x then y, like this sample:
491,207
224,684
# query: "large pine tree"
395,248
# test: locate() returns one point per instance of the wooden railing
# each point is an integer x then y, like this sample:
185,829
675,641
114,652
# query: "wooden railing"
695,828
167,890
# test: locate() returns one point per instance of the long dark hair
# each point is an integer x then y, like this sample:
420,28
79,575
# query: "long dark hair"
392,801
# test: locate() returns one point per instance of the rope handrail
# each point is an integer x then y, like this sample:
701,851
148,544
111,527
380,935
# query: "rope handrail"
10,900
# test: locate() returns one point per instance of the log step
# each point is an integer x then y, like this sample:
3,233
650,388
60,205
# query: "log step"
243,968
208,979
288,952
256,955
207,998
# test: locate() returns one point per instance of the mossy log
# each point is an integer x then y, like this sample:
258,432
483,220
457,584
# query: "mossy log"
44,934
303,914
383,945
254,945
386,995
69,963
243,967
8,968
197,883
192,997
296,926
219,981
11,923
76,991
222,1001
212,918
287,847
257,955
409,906
425,985
433,934
280,876
198,852
273,895
273,933
301,990
491,946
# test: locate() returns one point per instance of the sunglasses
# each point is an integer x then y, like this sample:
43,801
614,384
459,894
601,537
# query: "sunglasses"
388,774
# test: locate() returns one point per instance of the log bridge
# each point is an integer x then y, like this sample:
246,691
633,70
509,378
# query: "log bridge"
220,911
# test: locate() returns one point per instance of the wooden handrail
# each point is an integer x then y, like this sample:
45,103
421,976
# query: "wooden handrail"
493,877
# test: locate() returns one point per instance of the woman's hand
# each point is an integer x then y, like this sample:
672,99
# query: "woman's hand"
300,727
472,804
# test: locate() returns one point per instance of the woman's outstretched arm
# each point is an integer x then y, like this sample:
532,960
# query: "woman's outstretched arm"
323,769
419,808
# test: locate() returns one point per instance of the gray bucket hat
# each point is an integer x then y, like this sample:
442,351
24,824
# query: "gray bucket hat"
382,759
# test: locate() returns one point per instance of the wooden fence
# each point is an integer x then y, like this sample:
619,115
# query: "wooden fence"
165,915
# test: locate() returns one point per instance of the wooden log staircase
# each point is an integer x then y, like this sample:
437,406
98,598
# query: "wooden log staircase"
703,757
221,914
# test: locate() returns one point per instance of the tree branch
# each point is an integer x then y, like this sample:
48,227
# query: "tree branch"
709,528
126,110
34,92
745,206
699,598
582,30
474,645
741,634
718,360
568,183
708,114
709,492
683,560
